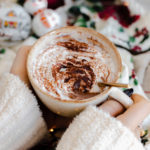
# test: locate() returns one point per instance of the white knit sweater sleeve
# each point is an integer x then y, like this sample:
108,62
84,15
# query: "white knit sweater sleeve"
94,129
21,124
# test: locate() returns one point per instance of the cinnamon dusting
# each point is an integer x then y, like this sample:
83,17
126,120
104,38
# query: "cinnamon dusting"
74,45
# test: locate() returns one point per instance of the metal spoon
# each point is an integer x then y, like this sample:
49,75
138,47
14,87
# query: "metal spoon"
100,84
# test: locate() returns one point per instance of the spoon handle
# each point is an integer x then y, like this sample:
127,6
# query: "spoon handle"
113,84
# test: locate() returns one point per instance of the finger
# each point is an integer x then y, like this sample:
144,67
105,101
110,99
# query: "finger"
20,59
140,132
19,66
22,54
137,132
136,113
137,98
113,107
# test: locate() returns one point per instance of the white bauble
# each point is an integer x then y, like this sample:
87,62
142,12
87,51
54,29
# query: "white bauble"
34,6
15,22
46,21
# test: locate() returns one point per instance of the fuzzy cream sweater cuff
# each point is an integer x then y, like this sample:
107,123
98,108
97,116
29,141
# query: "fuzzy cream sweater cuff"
21,123
94,129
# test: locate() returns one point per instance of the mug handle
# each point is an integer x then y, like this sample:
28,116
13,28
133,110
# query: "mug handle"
121,97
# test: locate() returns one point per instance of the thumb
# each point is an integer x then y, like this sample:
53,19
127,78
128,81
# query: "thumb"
19,65
113,107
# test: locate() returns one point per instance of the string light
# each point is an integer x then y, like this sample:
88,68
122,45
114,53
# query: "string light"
51,130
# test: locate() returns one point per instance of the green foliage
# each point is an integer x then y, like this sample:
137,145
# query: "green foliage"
2,51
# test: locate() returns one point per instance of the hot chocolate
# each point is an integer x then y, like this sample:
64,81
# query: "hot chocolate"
68,64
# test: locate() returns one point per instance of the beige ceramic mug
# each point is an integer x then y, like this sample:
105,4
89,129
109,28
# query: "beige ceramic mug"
65,65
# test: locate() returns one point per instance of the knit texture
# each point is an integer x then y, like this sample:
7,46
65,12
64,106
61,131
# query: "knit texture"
94,129
21,124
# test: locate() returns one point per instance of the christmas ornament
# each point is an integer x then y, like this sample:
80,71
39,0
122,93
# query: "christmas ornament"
44,19
35,6
15,23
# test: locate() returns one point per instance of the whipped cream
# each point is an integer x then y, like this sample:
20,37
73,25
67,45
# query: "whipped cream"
68,65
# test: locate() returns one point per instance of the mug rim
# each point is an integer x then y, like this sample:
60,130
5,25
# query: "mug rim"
76,28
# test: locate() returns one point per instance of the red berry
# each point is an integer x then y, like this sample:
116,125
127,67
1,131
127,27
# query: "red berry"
133,76
144,31
136,48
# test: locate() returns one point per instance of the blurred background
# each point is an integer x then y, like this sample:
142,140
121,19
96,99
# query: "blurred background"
125,22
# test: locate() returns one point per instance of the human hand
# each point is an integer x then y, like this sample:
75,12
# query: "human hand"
19,69
19,66
133,116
